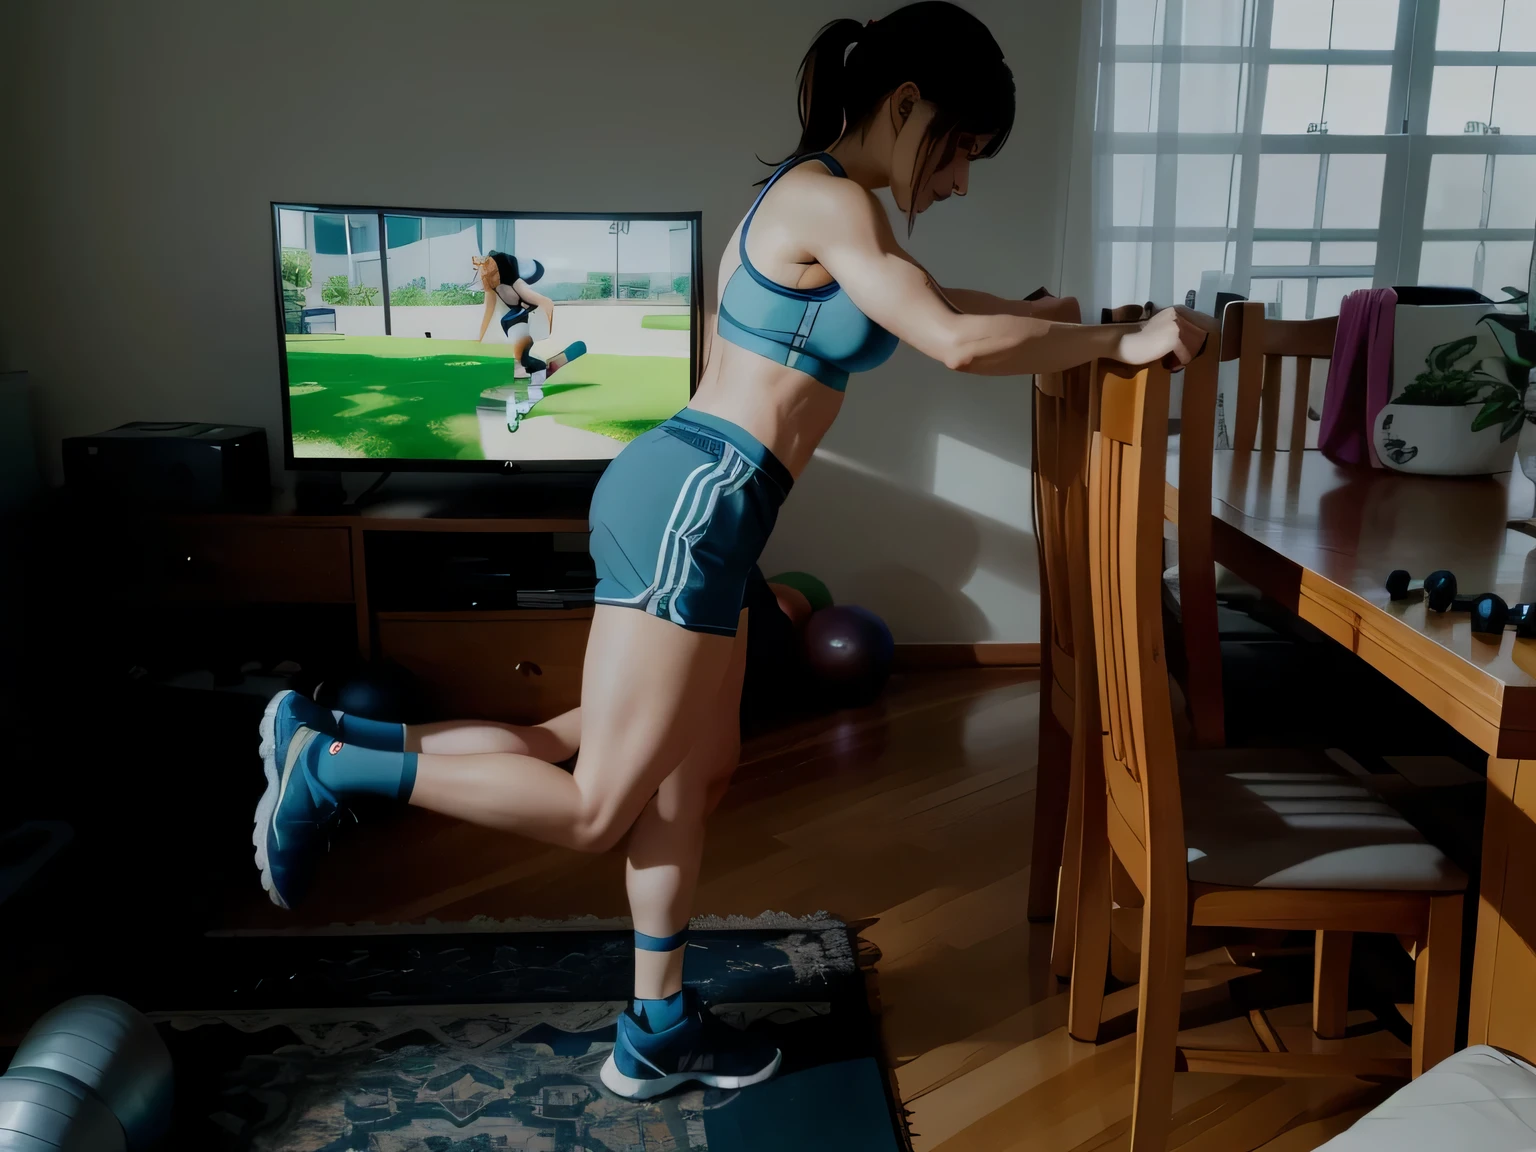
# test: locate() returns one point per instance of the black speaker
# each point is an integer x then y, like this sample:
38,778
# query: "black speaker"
170,465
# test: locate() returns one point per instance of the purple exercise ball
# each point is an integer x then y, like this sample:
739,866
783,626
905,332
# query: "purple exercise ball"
849,651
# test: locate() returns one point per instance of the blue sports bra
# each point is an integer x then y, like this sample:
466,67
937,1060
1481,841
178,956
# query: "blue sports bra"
818,331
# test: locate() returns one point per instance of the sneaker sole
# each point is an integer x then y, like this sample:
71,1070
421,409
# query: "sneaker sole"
268,802
267,805
632,1089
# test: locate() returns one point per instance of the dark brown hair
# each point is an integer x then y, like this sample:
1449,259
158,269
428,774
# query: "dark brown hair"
949,54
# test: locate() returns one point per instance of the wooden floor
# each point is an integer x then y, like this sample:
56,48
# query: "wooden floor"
915,814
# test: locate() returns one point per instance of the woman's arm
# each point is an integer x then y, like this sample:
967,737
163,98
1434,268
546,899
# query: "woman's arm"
985,304
490,309
847,232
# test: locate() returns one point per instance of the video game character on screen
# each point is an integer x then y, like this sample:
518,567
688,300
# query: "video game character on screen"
417,338
527,316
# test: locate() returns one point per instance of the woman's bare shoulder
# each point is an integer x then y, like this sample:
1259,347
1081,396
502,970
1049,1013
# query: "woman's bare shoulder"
820,198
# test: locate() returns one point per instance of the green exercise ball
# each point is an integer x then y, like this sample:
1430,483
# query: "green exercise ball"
808,586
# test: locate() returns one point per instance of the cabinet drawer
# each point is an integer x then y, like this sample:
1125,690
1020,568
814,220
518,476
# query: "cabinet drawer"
253,563
519,667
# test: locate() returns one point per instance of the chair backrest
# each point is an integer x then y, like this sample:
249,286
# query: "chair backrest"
1190,510
1125,520
1260,346
1062,423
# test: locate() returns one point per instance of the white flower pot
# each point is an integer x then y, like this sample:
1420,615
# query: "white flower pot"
1439,441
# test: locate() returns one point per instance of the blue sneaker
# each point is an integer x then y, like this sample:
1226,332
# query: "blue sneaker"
286,713
699,1047
292,816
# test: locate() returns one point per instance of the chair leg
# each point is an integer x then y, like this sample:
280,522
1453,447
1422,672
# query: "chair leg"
1157,1022
1065,930
1124,960
1437,984
1330,984
1090,943
1052,784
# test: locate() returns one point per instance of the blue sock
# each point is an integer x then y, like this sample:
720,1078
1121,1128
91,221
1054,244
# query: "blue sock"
659,1015
376,734
350,769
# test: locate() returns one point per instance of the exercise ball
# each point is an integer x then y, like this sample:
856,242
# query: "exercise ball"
113,1052
45,1111
808,586
793,603
849,652
376,690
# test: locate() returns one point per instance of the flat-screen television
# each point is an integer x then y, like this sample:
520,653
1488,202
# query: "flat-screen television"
415,339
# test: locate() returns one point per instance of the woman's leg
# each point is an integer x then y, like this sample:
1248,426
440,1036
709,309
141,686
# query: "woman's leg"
667,841
668,1037
648,687
554,740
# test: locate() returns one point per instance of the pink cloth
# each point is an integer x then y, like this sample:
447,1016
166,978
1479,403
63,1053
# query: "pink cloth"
1359,377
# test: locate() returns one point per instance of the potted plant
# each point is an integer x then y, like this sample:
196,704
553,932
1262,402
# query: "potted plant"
1461,414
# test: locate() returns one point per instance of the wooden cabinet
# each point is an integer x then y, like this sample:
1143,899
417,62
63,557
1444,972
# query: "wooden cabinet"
506,664
521,667
257,562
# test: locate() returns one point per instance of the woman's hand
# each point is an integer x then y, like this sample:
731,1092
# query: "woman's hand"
1171,338
549,317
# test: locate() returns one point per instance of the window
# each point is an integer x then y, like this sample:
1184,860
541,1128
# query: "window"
330,235
1293,151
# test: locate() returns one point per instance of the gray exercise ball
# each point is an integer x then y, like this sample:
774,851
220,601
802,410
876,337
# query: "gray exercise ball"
46,1111
115,1052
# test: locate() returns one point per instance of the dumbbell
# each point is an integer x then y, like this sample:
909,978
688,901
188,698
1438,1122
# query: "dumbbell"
1490,616
1438,588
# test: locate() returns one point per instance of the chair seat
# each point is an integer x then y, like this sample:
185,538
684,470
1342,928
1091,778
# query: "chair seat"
1229,585
1282,818
1479,1098
1231,624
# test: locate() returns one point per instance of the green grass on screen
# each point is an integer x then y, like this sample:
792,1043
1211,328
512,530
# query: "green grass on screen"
380,397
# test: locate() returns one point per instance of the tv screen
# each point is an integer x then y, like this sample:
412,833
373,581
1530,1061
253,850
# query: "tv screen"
481,341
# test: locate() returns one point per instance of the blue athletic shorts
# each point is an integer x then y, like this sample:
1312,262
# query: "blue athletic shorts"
680,518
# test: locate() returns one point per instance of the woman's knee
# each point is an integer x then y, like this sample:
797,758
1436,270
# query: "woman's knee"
600,827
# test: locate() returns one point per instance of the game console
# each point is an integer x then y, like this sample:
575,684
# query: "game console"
172,465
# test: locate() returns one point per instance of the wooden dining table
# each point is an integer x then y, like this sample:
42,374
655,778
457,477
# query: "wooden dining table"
1320,539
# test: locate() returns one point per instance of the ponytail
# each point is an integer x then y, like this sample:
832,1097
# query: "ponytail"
851,68
823,80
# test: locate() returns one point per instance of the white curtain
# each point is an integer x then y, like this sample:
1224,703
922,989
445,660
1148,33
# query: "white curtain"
1292,151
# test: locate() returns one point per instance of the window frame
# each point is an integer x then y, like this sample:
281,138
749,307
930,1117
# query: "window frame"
1407,149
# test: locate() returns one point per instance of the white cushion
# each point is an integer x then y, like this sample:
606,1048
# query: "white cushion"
1231,624
1229,585
1480,1099
1282,818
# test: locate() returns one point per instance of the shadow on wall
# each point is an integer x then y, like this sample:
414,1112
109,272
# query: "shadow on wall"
928,566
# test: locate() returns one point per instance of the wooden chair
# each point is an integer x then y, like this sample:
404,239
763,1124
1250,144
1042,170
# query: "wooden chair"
1234,838
1058,450
1481,1097
1260,347
1060,456
1069,705
1202,597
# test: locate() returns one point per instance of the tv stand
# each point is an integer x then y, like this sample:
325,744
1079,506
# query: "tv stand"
402,568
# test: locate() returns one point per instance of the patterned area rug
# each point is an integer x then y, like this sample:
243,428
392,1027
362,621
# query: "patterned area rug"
489,1036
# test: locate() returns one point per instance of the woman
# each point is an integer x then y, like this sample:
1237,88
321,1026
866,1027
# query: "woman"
815,287
504,280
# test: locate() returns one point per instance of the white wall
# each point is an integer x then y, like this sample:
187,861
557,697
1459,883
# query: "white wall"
143,143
